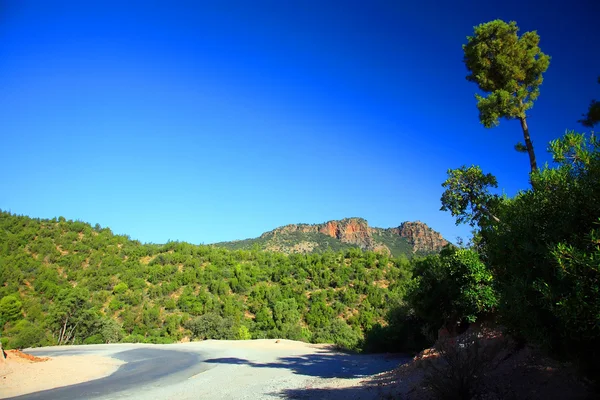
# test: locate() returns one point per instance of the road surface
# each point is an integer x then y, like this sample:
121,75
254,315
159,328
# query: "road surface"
258,369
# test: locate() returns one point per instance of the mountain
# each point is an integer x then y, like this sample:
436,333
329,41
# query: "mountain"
409,238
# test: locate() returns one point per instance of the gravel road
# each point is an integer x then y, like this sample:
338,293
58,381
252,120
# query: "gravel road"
257,369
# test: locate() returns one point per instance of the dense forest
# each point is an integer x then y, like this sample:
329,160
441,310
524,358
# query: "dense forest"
69,282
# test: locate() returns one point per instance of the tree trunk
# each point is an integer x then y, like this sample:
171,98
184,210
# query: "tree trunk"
63,331
2,356
528,144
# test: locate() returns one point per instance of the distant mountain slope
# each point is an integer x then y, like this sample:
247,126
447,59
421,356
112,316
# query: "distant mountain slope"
409,238
66,282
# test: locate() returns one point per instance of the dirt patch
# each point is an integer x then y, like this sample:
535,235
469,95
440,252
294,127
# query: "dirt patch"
61,250
18,354
146,259
23,373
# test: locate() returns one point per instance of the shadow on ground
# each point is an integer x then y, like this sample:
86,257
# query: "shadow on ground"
383,386
326,364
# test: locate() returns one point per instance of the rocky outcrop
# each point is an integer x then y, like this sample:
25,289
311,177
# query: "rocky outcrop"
356,231
421,237
350,230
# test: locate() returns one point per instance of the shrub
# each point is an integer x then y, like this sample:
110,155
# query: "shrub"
111,331
94,339
135,338
545,254
458,370
120,288
244,333
451,287
212,326
10,309
25,334
404,332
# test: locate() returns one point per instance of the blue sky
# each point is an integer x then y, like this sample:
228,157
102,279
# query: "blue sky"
219,120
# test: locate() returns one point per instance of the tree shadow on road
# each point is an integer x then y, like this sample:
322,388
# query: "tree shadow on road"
326,364
382,386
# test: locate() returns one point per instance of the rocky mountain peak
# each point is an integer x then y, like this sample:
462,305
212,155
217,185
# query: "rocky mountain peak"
416,237
421,237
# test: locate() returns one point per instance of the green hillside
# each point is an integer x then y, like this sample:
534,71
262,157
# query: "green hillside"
398,245
68,282
312,242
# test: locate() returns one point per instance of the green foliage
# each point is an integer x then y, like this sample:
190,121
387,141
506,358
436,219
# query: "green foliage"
286,241
10,309
320,314
509,69
286,312
404,332
111,331
340,333
398,245
79,284
71,316
243,333
506,66
94,339
25,334
212,326
544,252
467,195
452,287
577,155
120,288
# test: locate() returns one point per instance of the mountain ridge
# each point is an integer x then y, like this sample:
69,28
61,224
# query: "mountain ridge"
409,238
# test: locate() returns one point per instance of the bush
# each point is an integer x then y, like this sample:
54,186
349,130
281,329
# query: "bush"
243,333
111,331
545,254
450,288
25,334
120,288
159,340
344,336
404,332
295,332
458,370
212,326
10,309
135,338
94,339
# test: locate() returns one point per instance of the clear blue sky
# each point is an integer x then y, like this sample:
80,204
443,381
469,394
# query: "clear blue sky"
218,120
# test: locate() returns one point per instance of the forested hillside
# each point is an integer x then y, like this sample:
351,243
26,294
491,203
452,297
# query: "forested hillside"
68,282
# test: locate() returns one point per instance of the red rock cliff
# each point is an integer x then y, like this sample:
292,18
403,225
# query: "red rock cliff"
349,230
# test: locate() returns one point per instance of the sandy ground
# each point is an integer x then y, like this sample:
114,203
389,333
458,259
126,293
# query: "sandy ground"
19,375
